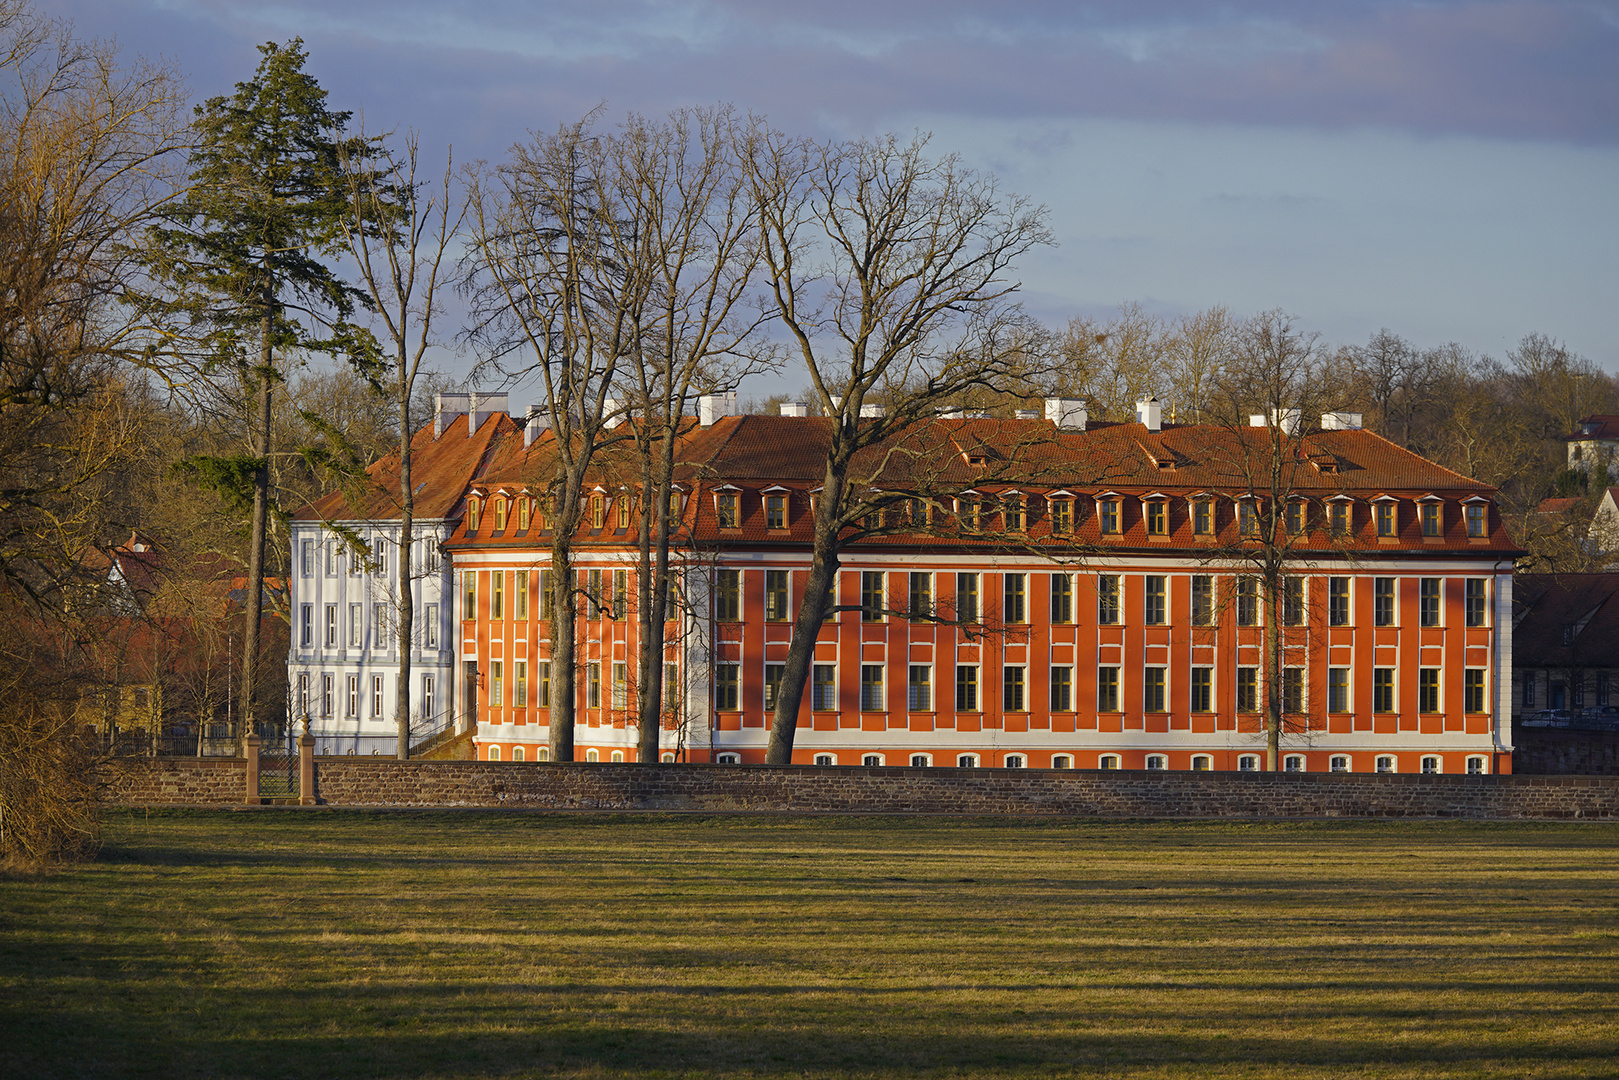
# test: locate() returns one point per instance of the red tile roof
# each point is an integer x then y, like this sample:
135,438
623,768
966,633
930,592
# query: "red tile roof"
1600,426
1581,608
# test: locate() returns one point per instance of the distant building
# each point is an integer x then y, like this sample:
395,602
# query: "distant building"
343,665
1595,440
1565,642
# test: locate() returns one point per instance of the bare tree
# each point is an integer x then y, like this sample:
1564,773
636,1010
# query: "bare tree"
888,270
400,233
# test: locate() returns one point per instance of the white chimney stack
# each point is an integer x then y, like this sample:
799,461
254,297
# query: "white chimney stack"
871,410
481,407
1150,414
1067,413
446,407
710,407
1340,421
1287,419
794,408
535,425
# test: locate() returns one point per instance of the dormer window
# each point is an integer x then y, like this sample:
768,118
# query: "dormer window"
1107,512
1202,517
725,509
1297,513
1477,518
1157,512
1431,519
473,510
968,509
500,515
775,511
1248,517
1062,515
1387,519
1339,517
1012,510
623,510
598,511
919,512
523,505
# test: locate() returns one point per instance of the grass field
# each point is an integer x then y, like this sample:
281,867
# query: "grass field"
314,944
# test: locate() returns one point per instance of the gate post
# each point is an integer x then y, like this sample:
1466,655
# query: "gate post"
306,766
252,744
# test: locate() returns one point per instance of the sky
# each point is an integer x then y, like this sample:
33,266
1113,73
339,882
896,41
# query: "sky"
1449,171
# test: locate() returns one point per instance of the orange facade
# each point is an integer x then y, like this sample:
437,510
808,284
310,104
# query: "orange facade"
1079,626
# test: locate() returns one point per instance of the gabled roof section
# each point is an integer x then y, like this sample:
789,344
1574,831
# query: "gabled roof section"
1566,620
1600,426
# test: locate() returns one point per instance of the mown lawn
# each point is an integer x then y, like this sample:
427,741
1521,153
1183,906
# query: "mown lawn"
350,944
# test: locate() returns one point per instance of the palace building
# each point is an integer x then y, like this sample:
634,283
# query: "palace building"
1034,592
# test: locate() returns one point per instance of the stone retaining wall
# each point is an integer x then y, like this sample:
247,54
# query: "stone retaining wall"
1565,752
362,782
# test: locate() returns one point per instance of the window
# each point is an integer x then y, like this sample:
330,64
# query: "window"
1157,762
920,761
598,511
331,626
379,557
429,706
356,625
303,695
517,754
307,563
1430,519
728,595
1293,601
967,597
326,695
1152,690
354,696
1475,765
621,593
1383,601
1295,517
593,686
1475,601
543,587
1383,689
1013,609
967,761
1108,761
966,689
1430,762
306,619
919,688
1602,688
621,686
1428,690
1014,761
1203,517
1061,761
1293,763
497,671
1202,763
727,687
1202,600
497,594
1248,689
623,503
872,761
1202,689
523,505
1293,689
871,687
1062,516
1475,528
871,596
773,685
376,696
1062,598
1062,689
1157,518
824,688
1013,511
671,686
596,594
494,753
1107,599
382,616
1154,607
722,759
1107,689
469,594
1339,763
1247,518
1107,512
1473,690
1338,601
1338,518
1430,601
921,598
825,759
1338,689
775,511
520,683
1247,602
725,509
1387,519
1248,763
776,595
1012,697
500,515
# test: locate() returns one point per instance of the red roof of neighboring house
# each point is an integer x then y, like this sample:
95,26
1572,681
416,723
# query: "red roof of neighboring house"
1565,620
1600,426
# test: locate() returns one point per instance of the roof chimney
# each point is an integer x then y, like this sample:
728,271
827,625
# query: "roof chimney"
446,407
1150,414
480,407
1340,421
1067,413
535,425
871,410
710,407
794,408
1028,414
951,412
1287,419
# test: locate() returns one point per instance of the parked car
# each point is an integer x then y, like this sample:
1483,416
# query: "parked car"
1547,718
1598,716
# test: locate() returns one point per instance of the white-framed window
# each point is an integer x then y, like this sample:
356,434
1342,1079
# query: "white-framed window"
871,596
430,626
517,753
497,682
773,674
1014,761
326,695
1157,761
921,761
919,687
1477,766
826,759
429,705
356,625
1107,689
871,761
1293,763
729,759
1108,761
617,756
621,685
543,754
382,612
1431,763
1014,608
1248,763
967,597
593,685
306,619
520,683
542,676
1202,763
1062,598
592,755
1013,696
667,757
331,626
919,600
871,687
966,761
306,563
727,687
376,697
353,697
379,556
1338,689
303,695
777,589
967,688
331,556
1339,763
1062,688
494,753
1061,761
824,688
1385,763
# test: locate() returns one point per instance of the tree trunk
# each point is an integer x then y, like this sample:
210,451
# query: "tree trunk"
1273,670
812,611
407,602
562,646
254,606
